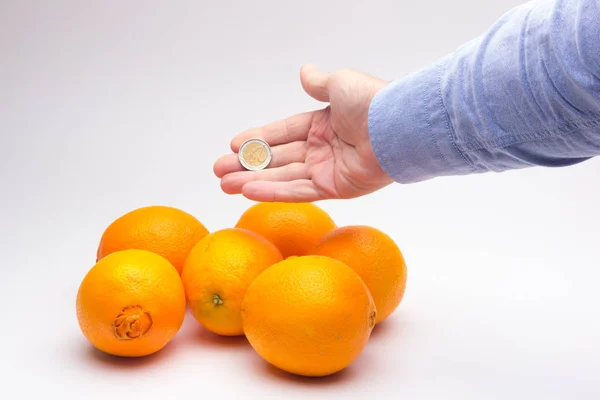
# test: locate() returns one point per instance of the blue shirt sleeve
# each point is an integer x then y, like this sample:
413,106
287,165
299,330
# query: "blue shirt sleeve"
525,93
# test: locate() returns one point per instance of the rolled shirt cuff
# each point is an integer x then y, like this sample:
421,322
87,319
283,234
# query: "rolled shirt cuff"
410,130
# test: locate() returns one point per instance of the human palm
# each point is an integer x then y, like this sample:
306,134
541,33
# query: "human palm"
318,155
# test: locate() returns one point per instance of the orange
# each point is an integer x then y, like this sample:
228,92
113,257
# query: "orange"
163,230
375,257
131,303
293,227
217,274
308,315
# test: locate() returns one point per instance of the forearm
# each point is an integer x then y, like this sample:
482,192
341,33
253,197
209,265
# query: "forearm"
525,93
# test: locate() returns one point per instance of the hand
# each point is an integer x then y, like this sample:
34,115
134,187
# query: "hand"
318,155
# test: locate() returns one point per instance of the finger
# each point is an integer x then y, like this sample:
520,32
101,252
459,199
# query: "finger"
314,82
301,190
282,155
233,183
291,129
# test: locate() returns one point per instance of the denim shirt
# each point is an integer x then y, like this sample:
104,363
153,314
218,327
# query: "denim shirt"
525,93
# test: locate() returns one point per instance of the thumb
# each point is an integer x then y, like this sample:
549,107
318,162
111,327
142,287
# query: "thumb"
314,82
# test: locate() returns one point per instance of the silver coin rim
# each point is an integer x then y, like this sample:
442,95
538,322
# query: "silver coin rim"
258,167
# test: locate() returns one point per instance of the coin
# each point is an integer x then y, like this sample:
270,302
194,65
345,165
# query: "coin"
255,154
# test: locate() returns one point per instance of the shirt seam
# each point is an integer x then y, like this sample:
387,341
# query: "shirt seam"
431,133
449,128
509,140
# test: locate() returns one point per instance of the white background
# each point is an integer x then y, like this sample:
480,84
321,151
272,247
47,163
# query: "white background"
107,106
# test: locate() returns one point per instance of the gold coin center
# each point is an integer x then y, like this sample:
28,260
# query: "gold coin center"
254,154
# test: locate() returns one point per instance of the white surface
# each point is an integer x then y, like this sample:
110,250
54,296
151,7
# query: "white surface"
109,106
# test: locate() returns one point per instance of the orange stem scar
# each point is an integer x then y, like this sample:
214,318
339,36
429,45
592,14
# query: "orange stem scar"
132,322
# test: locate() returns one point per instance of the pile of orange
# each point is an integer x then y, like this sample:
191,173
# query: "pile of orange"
305,292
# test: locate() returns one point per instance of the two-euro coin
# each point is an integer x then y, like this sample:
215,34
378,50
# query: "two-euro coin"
255,154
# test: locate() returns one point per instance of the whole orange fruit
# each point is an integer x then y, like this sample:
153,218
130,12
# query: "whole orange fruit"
309,315
293,227
375,257
217,274
131,303
166,231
